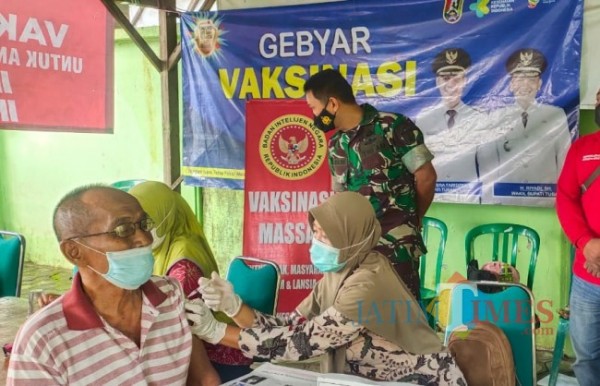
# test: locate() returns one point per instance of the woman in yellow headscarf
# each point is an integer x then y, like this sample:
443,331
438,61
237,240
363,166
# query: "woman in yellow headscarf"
181,251
180,247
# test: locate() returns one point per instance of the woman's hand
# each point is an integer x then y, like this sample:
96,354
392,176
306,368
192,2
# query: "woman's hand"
218,294
202,322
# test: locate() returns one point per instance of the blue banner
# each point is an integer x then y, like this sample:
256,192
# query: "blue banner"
493,84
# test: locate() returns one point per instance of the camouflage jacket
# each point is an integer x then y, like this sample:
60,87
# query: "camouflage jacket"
377,159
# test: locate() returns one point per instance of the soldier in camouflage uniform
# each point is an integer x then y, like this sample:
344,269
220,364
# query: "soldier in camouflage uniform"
382,156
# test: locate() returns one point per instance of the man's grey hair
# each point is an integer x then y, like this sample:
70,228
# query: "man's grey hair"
71,215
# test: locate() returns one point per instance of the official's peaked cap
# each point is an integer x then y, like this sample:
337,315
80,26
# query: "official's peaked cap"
526,60
451,60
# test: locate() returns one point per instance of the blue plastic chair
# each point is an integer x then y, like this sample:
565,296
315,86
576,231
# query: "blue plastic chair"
511,309
561,336
12,256
429,294
256,281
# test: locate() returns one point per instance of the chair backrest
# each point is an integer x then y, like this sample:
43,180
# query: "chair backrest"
12,256
256,281
503,242
512,309
430,224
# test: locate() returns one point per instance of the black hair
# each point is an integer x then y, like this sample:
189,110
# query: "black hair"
329,83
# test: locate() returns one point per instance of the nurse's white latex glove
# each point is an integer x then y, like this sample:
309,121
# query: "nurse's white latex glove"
202,322
218,294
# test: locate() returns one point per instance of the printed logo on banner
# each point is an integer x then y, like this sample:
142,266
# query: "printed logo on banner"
453,10
480,8
207,36
291,148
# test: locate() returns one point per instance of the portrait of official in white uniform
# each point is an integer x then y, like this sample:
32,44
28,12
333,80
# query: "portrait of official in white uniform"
532,139
453,130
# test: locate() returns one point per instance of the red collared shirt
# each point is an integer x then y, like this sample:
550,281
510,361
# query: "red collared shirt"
579,213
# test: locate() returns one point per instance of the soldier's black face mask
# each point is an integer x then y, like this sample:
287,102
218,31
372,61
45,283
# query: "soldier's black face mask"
324,121
597,110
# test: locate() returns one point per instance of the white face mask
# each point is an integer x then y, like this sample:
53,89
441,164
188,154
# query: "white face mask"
156,239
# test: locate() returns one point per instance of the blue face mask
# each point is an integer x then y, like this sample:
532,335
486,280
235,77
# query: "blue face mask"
325,257
127,269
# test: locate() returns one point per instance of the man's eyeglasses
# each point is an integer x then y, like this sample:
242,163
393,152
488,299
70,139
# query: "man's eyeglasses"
124,230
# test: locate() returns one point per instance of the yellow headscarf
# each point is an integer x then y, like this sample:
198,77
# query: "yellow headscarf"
184,238
367,290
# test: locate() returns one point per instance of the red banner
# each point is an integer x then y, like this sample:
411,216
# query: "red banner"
56,65
286,174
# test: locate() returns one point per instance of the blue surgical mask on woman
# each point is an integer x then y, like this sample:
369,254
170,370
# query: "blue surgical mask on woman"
127,269
326,257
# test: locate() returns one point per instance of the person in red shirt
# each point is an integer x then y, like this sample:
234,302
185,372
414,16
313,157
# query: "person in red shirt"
578,209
